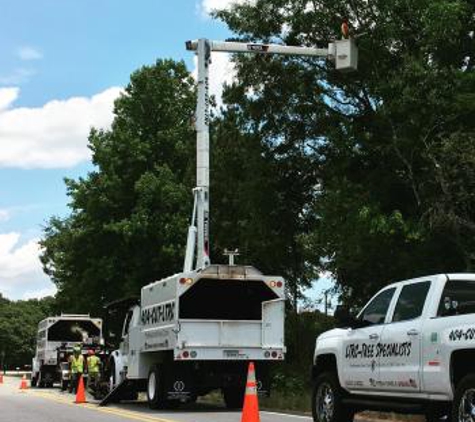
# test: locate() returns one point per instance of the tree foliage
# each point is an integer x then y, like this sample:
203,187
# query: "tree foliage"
368,175
129,217
392,144
18,327
128,221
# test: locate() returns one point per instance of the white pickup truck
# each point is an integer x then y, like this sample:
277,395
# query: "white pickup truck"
411,349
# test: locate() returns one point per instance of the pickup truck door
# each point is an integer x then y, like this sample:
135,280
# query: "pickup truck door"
360,363
399,350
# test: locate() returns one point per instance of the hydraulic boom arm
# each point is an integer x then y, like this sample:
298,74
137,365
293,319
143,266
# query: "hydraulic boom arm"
343,52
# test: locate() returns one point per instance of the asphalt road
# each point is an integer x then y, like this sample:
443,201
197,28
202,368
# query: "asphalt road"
50,405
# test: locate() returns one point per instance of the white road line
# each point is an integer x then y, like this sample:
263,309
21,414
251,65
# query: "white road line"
288,415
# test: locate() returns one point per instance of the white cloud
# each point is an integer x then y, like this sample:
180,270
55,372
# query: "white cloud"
17,77
8,96
208,6
29,53
21,274
54,135
4,215
221,71
40,293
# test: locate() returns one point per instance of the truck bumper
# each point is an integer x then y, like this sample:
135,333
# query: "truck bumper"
228,354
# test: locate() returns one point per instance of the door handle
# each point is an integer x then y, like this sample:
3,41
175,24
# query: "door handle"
373,336
413,332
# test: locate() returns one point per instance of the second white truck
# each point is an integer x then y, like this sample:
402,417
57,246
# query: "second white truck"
411,349
56,338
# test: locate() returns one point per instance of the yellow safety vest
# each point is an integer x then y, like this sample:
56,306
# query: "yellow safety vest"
93,364
77,364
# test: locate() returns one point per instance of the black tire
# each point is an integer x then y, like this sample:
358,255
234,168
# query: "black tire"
233,397
464,387
327,387
154,392
41,380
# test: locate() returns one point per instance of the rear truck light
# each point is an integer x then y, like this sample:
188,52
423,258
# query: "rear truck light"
186,281
274,354
186,354
193,354
267,354
275,284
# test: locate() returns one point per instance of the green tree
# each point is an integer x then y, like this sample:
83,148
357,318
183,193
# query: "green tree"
18,327
129,216
392,144
258,196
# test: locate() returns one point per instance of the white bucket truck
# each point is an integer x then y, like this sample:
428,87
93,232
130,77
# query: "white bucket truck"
196,331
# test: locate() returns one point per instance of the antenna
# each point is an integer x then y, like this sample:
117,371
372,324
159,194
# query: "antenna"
231,255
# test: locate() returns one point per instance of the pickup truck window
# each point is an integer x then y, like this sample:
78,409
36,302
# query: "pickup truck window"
375,312
458,298
411,301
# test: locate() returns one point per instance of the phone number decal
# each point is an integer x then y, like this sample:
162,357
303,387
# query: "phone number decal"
461,334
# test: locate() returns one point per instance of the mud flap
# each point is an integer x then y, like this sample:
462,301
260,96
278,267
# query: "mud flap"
178,384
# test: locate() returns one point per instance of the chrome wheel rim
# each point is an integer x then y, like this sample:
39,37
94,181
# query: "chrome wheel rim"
325,401
151,386
467,406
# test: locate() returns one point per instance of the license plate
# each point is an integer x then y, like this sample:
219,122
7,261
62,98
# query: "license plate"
232,354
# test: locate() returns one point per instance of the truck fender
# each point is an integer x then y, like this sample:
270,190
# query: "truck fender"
325,363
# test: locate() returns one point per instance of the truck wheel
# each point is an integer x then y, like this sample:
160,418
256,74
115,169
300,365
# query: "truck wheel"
233,397
464,400
41,380
153,389
327,405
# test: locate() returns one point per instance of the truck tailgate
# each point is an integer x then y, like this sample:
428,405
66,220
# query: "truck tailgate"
209,333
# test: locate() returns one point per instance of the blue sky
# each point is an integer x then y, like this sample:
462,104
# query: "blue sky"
62,63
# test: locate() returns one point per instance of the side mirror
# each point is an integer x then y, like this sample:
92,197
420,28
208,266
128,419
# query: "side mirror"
343,317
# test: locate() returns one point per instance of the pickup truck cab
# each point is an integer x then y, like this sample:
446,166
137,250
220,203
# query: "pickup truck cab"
411,349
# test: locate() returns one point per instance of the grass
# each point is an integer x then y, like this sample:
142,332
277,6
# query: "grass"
300,403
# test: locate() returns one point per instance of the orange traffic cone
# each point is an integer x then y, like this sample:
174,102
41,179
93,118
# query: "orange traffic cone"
81,393
250,411
24,383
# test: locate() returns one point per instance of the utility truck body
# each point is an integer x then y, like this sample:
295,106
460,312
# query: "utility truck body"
196,331
56,338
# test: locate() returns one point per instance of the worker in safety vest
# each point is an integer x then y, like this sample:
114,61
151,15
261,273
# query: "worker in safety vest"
93,370
76,366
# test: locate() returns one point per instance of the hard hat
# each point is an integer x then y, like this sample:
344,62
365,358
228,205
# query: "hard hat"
77,349
91,352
